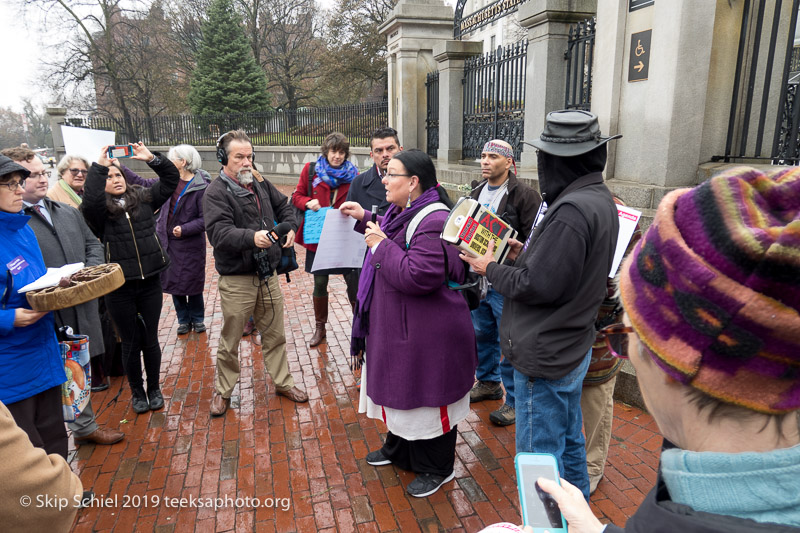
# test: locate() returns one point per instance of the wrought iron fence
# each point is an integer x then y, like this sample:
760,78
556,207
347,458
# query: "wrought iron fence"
432,114
789,137
795,61
303,127
580,57
494,99
749,124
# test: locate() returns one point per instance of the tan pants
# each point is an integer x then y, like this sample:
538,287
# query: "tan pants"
242,297
597,406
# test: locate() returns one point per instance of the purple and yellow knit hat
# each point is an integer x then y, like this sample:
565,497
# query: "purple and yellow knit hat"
713,288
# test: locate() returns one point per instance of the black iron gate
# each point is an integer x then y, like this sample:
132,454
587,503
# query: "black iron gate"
750,105
494,99
432,115
580,56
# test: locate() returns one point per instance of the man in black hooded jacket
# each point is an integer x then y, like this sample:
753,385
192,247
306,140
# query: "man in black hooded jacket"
554,288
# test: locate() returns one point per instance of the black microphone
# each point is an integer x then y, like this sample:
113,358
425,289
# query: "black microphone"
278,232
261,255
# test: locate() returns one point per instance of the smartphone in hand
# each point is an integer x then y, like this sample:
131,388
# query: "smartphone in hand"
539,509
120,150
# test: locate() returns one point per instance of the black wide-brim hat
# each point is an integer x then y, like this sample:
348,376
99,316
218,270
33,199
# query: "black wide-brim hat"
569,133
7,166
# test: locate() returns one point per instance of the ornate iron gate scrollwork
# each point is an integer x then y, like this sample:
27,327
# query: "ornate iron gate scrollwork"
432,114
494,99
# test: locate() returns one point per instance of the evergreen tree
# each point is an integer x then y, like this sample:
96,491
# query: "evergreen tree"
227,78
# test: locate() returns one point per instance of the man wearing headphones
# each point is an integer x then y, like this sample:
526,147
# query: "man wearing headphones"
239,207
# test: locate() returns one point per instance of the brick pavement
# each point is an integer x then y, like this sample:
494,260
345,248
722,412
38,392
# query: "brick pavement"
307,459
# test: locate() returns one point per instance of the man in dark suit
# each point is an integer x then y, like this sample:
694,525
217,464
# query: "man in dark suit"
65,238
367,188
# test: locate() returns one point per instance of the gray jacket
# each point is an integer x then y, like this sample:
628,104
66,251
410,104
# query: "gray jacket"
69,240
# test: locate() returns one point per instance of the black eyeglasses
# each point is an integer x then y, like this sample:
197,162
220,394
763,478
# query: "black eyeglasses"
392,176
13,185
616,337
42,174
76,171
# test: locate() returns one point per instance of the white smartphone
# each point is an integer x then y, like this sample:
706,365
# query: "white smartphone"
539,509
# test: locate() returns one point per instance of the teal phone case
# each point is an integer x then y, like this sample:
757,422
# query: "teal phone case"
520,488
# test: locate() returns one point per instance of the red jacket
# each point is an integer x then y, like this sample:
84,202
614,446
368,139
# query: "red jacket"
321,192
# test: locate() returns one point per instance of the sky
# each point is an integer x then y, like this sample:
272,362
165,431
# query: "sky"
19,58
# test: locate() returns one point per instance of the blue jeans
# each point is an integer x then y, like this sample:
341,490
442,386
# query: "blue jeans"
549,420
190,309
486,321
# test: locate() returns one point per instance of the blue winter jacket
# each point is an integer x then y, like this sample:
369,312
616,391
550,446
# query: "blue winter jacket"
30,359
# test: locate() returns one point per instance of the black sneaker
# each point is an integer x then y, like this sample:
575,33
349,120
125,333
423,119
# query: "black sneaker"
156,400
139,401
183,329
377,458
199,327
426,484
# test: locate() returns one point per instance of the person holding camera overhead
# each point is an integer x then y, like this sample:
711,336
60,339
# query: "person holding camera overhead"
123,217
181,230
324,183
243,214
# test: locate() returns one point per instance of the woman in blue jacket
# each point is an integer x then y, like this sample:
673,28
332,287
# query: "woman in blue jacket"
31,371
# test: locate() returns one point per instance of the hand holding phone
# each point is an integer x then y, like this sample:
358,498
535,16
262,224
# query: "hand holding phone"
577,513
120,150
539,508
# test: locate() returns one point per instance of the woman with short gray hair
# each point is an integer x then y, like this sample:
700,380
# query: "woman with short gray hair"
72,171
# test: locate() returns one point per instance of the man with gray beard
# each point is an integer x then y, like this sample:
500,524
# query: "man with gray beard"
239,207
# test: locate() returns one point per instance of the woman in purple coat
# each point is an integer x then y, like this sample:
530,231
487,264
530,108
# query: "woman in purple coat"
181,230
417,334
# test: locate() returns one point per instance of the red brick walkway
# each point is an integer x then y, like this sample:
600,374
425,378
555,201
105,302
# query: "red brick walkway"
305,463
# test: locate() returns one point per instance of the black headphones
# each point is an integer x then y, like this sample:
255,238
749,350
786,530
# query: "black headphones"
222,154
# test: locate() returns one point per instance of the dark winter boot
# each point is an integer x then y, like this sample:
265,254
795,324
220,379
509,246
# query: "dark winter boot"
320,317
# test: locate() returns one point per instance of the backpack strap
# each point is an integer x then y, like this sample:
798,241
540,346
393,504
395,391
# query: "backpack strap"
312,171
425,211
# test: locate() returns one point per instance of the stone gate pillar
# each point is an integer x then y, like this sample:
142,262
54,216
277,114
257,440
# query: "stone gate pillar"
548,23
412,30
57,116
451,55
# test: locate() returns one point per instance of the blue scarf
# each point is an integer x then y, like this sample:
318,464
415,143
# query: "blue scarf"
333,177
759,486
394,221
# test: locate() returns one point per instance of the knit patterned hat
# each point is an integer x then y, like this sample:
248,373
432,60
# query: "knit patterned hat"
713,288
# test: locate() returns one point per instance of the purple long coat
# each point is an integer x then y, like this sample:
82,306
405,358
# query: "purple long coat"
186,274
421,349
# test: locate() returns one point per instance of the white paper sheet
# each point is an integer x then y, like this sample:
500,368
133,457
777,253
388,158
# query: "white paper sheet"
340,246
628,218
85,142
52,277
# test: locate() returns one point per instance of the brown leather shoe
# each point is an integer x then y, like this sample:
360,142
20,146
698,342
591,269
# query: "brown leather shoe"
101,436
294,394
219,404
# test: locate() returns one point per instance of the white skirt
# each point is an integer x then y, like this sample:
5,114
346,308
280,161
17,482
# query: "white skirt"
421,423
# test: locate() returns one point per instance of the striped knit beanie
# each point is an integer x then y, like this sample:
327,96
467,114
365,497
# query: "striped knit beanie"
713,288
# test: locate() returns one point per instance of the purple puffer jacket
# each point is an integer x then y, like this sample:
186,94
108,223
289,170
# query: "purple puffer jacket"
186,274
